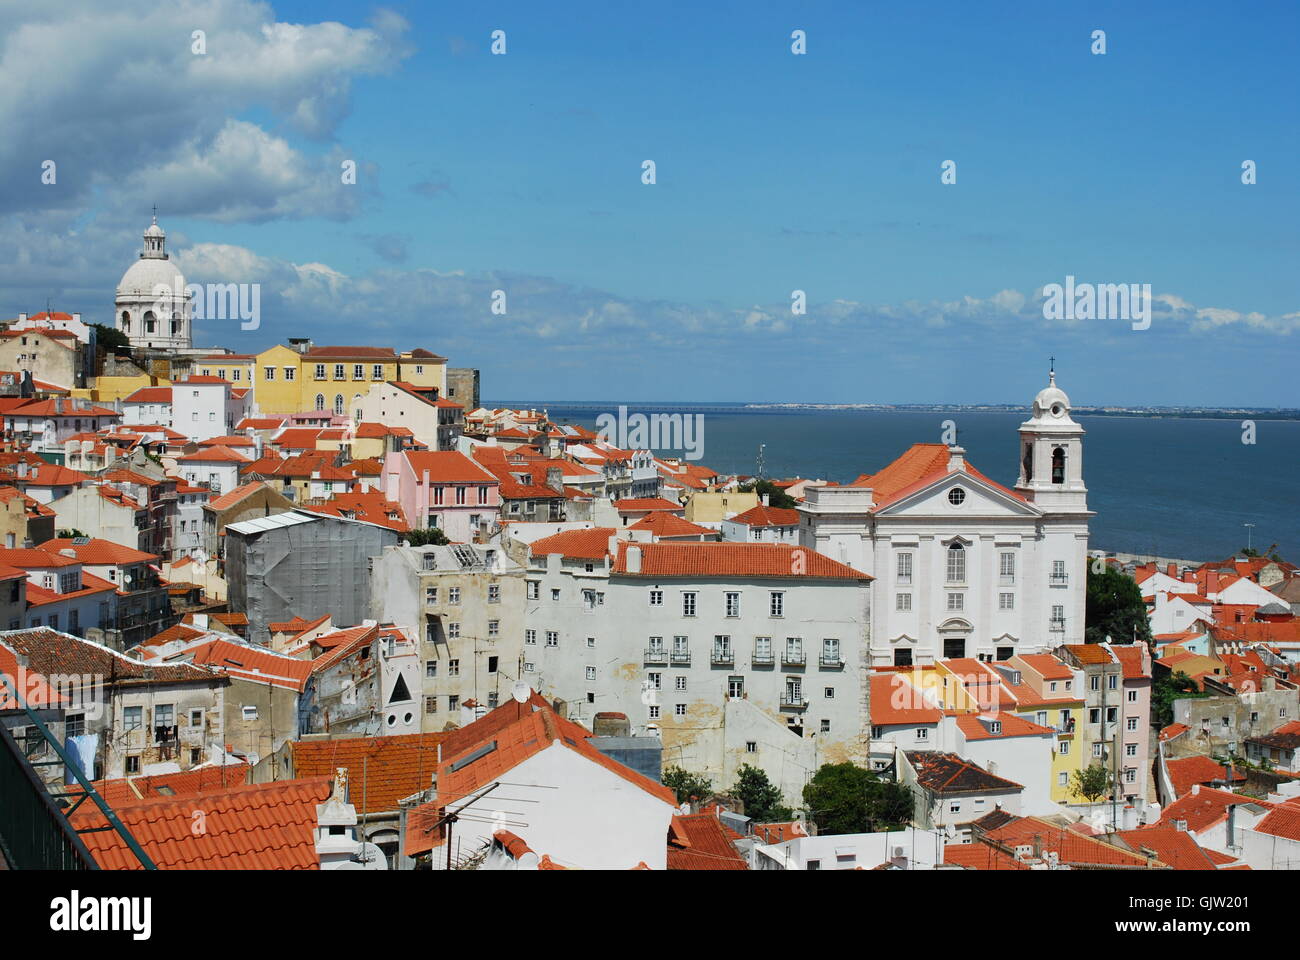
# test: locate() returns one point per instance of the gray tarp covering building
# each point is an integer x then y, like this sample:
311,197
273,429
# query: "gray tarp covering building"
301,564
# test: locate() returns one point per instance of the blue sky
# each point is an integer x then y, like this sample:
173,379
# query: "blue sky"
775,172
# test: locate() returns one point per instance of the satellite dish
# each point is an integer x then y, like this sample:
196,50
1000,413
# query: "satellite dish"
521,691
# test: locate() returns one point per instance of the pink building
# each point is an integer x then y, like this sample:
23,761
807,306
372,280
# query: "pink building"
1135,710
442,489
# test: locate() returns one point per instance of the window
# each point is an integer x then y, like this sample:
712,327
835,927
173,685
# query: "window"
1112,714
1094,683
688,604
656,598
656,647
828,693
904,568
903,657
679,709
555,594
733,604
1094,715
956,601
320,401
1062,779
1132,696
830,651
430,704
1058,572
338,371
751,746
1006,601
132,718
552,638
377,372
736,687
494,628
956,565
814,864
903,601
250,712
453,668
1007,567
431,594
431,668
1058,617
1063,748
655,680
1099,749
528,667
591,642
591,673
534,590
453,595
133,764
1112,681
268,373
494,593
776,604
453,703
320,371
1130,775
1058,465
338,404
164,722
290,373
358,371
1130,749
236,375
654,712
453,631
956,496
923,733
530,636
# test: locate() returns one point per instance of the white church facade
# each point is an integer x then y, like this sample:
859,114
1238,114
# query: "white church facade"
151,306
963,566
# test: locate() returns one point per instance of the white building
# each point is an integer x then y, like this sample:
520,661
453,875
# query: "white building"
151,306
965,567
149,406
202,407
762,524
732,653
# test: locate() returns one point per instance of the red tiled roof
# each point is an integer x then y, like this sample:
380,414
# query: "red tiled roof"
250,663
1177,848
1012,726
150,395
163,785
90,584
661,523
1205,807
1282,821
52,653
779,832
381,770
99,552
260,826
980,856
646,503
1089,654
896,702
1070,847
371,507
53,475
348,353
1173,730
228,500
1186,771
698,560
761,516
446,466
1130,657
216,454
700,842
588,544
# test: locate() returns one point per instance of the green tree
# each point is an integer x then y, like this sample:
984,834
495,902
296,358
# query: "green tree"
421,538
1175,686
1091,783
111,340
844,798
762,799
687,785
70,534
776,497
1115,608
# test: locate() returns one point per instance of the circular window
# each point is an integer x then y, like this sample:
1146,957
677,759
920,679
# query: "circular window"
392,719
1057,409
407,719
956,496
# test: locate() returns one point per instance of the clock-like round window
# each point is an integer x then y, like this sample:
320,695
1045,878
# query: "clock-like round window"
956,496
1057,409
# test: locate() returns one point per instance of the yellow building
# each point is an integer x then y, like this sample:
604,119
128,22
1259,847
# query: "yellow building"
109,389
237,368
706,507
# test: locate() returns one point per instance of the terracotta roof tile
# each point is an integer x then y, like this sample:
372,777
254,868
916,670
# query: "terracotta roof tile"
381,770
698,560
700,842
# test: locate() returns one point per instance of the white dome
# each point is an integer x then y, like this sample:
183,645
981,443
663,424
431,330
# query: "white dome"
146,274
1052,398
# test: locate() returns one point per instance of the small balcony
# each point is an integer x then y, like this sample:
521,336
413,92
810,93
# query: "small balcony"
1056,625
762,660
1065,729
793,701
681,658
656,655
792,658
1059,580
832,662
722,658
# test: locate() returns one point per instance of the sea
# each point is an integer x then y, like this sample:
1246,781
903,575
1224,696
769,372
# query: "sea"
1161,486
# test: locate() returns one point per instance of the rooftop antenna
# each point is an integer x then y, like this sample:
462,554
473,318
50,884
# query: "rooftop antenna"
759,464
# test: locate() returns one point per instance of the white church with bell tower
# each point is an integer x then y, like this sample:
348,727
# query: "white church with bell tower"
963,566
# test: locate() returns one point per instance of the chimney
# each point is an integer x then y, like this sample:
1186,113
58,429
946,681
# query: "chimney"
956,458
22,317
76,317
1180,825
613,545
765,498
58,404
554,479
1196,789
1211,583
1130,817
633,559
1172,571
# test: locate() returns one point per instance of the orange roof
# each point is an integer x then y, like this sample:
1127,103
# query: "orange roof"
228,500
980,856
98,552
446,466
1186,771
219,454
1283,821
259,826
371,507
1130,657
259,423
250,663
661,523
896,702
150,395
700,842
90,584
61,408
646,503
230,440
381,770
588,544
1205,807
298,438
32,687
761,516
1089,653
698,560
163,785
53,475
296,626
1070,846
1173,730
1177,848
1012,726
920,461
